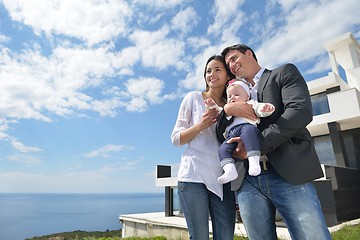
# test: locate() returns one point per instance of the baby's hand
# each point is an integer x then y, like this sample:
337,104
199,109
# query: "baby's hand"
268,107
211,104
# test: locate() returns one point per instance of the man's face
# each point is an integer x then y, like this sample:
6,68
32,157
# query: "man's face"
238,62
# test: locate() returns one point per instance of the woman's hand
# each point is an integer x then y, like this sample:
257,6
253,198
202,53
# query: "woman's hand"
208,118
240,151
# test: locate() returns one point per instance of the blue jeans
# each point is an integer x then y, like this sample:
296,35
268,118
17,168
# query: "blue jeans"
299,206
197,203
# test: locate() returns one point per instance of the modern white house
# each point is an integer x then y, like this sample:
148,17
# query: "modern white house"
336,132
336,104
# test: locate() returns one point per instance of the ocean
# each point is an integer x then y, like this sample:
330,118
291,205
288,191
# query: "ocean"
25,215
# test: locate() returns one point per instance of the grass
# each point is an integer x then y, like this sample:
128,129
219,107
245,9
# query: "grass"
346,233
82,235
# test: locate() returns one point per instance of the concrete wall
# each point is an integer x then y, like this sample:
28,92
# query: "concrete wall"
145,229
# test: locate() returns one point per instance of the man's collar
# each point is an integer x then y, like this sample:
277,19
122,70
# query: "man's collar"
259,73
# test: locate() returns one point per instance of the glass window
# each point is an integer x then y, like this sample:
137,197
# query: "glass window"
176,205
352,146
320,104
324,150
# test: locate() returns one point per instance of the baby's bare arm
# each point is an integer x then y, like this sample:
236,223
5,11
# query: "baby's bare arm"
240,109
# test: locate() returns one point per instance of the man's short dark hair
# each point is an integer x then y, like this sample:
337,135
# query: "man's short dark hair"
239,47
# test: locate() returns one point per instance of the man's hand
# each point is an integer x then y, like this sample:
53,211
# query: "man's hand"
240,151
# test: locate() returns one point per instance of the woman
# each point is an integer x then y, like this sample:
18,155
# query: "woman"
200,194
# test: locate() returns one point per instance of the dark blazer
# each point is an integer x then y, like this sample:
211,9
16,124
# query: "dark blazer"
284,139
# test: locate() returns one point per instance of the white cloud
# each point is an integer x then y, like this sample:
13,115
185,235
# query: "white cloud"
26,159
23,148
159,51
161,4
4,126
61,79
146,88
3,136
185,20
4,39
19,83
107,107
93,21
32,85
143,91
16,144
125,60
323,63
307,27
198,43
228,18
106,150
287,5
137,105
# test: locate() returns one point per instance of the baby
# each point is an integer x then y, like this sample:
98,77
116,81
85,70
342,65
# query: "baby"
239,91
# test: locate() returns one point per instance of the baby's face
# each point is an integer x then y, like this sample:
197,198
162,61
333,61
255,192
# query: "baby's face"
236,93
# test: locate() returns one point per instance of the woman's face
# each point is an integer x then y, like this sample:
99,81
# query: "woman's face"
216,75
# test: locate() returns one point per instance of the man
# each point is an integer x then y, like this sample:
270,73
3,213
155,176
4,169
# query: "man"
289,159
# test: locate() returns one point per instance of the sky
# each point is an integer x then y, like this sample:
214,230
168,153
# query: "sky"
90,90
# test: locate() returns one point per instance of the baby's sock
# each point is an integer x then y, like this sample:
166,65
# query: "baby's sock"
254,165
229,174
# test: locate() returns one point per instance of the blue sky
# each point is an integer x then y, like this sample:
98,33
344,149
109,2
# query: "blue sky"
89,90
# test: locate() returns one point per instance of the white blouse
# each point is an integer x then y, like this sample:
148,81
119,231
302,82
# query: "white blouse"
200,161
